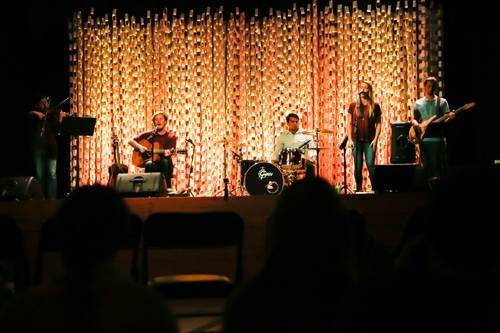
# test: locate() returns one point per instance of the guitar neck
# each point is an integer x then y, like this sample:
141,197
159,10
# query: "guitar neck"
447,115
160,151
117,157
116,152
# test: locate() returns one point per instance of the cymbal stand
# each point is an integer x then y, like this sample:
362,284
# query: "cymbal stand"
239,186
316,142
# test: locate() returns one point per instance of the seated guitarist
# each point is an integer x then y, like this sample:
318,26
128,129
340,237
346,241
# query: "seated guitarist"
159,138
433,146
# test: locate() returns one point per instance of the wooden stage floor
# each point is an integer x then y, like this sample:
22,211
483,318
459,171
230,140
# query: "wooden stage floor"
385,215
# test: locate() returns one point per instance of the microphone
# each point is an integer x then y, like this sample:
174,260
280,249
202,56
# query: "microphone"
344,142
236,156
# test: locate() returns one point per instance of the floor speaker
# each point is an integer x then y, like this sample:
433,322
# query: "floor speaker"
141,184
20,188
402,150
394,177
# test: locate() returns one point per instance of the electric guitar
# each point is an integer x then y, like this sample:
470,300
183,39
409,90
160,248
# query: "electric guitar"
117,167
417,134
153,153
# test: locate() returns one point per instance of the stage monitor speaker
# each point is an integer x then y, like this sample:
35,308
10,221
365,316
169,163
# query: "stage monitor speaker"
394,177
20,188
141,184
402,150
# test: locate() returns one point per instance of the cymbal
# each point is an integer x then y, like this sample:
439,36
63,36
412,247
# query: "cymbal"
317,130
225,140
318,148
326,130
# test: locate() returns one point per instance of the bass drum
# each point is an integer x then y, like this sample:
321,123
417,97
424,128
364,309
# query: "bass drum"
264,178
244,166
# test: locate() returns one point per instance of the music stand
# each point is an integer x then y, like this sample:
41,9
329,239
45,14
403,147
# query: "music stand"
78,126
344,187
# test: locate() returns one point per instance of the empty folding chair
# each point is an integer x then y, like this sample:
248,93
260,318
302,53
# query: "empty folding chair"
193,231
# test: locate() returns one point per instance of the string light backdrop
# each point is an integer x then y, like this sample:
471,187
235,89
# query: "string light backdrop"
228,84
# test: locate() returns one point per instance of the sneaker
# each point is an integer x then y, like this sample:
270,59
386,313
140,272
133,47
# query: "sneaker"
170,191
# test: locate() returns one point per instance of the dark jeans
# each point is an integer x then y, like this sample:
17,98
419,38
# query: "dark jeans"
163,165
363,149
46,172
433,155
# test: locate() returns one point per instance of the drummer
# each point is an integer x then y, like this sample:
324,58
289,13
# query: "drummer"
295,143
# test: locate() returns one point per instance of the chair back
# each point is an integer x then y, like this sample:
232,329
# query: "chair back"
194,231
12,253
50,241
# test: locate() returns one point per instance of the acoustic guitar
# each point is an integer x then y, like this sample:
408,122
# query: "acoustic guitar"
117,167
417,134
153,153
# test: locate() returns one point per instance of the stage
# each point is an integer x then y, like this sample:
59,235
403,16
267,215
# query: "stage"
385,215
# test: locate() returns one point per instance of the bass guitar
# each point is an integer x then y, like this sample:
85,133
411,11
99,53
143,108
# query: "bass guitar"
417,134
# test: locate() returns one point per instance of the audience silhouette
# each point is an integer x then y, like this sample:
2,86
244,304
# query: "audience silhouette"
310,270
446,274
92,296
323,272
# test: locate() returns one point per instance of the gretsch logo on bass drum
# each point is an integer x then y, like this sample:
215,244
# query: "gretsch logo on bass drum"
264,174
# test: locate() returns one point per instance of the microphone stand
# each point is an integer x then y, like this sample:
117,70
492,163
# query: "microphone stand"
344,187
188,191
225,190
226,180
238,158
149,138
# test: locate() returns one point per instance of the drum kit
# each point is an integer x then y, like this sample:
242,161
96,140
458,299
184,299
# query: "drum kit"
258,177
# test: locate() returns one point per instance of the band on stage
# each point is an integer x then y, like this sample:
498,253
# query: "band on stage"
296,152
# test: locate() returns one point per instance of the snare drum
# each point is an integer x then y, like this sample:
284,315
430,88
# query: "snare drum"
264,178
291,176
290,158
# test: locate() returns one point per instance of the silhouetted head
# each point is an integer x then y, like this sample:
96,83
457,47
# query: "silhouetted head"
463,227
309,224
93,221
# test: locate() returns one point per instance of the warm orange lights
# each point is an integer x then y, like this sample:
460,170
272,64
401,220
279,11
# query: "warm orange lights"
228,84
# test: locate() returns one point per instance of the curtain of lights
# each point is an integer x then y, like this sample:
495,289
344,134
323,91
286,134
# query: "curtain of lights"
228,84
